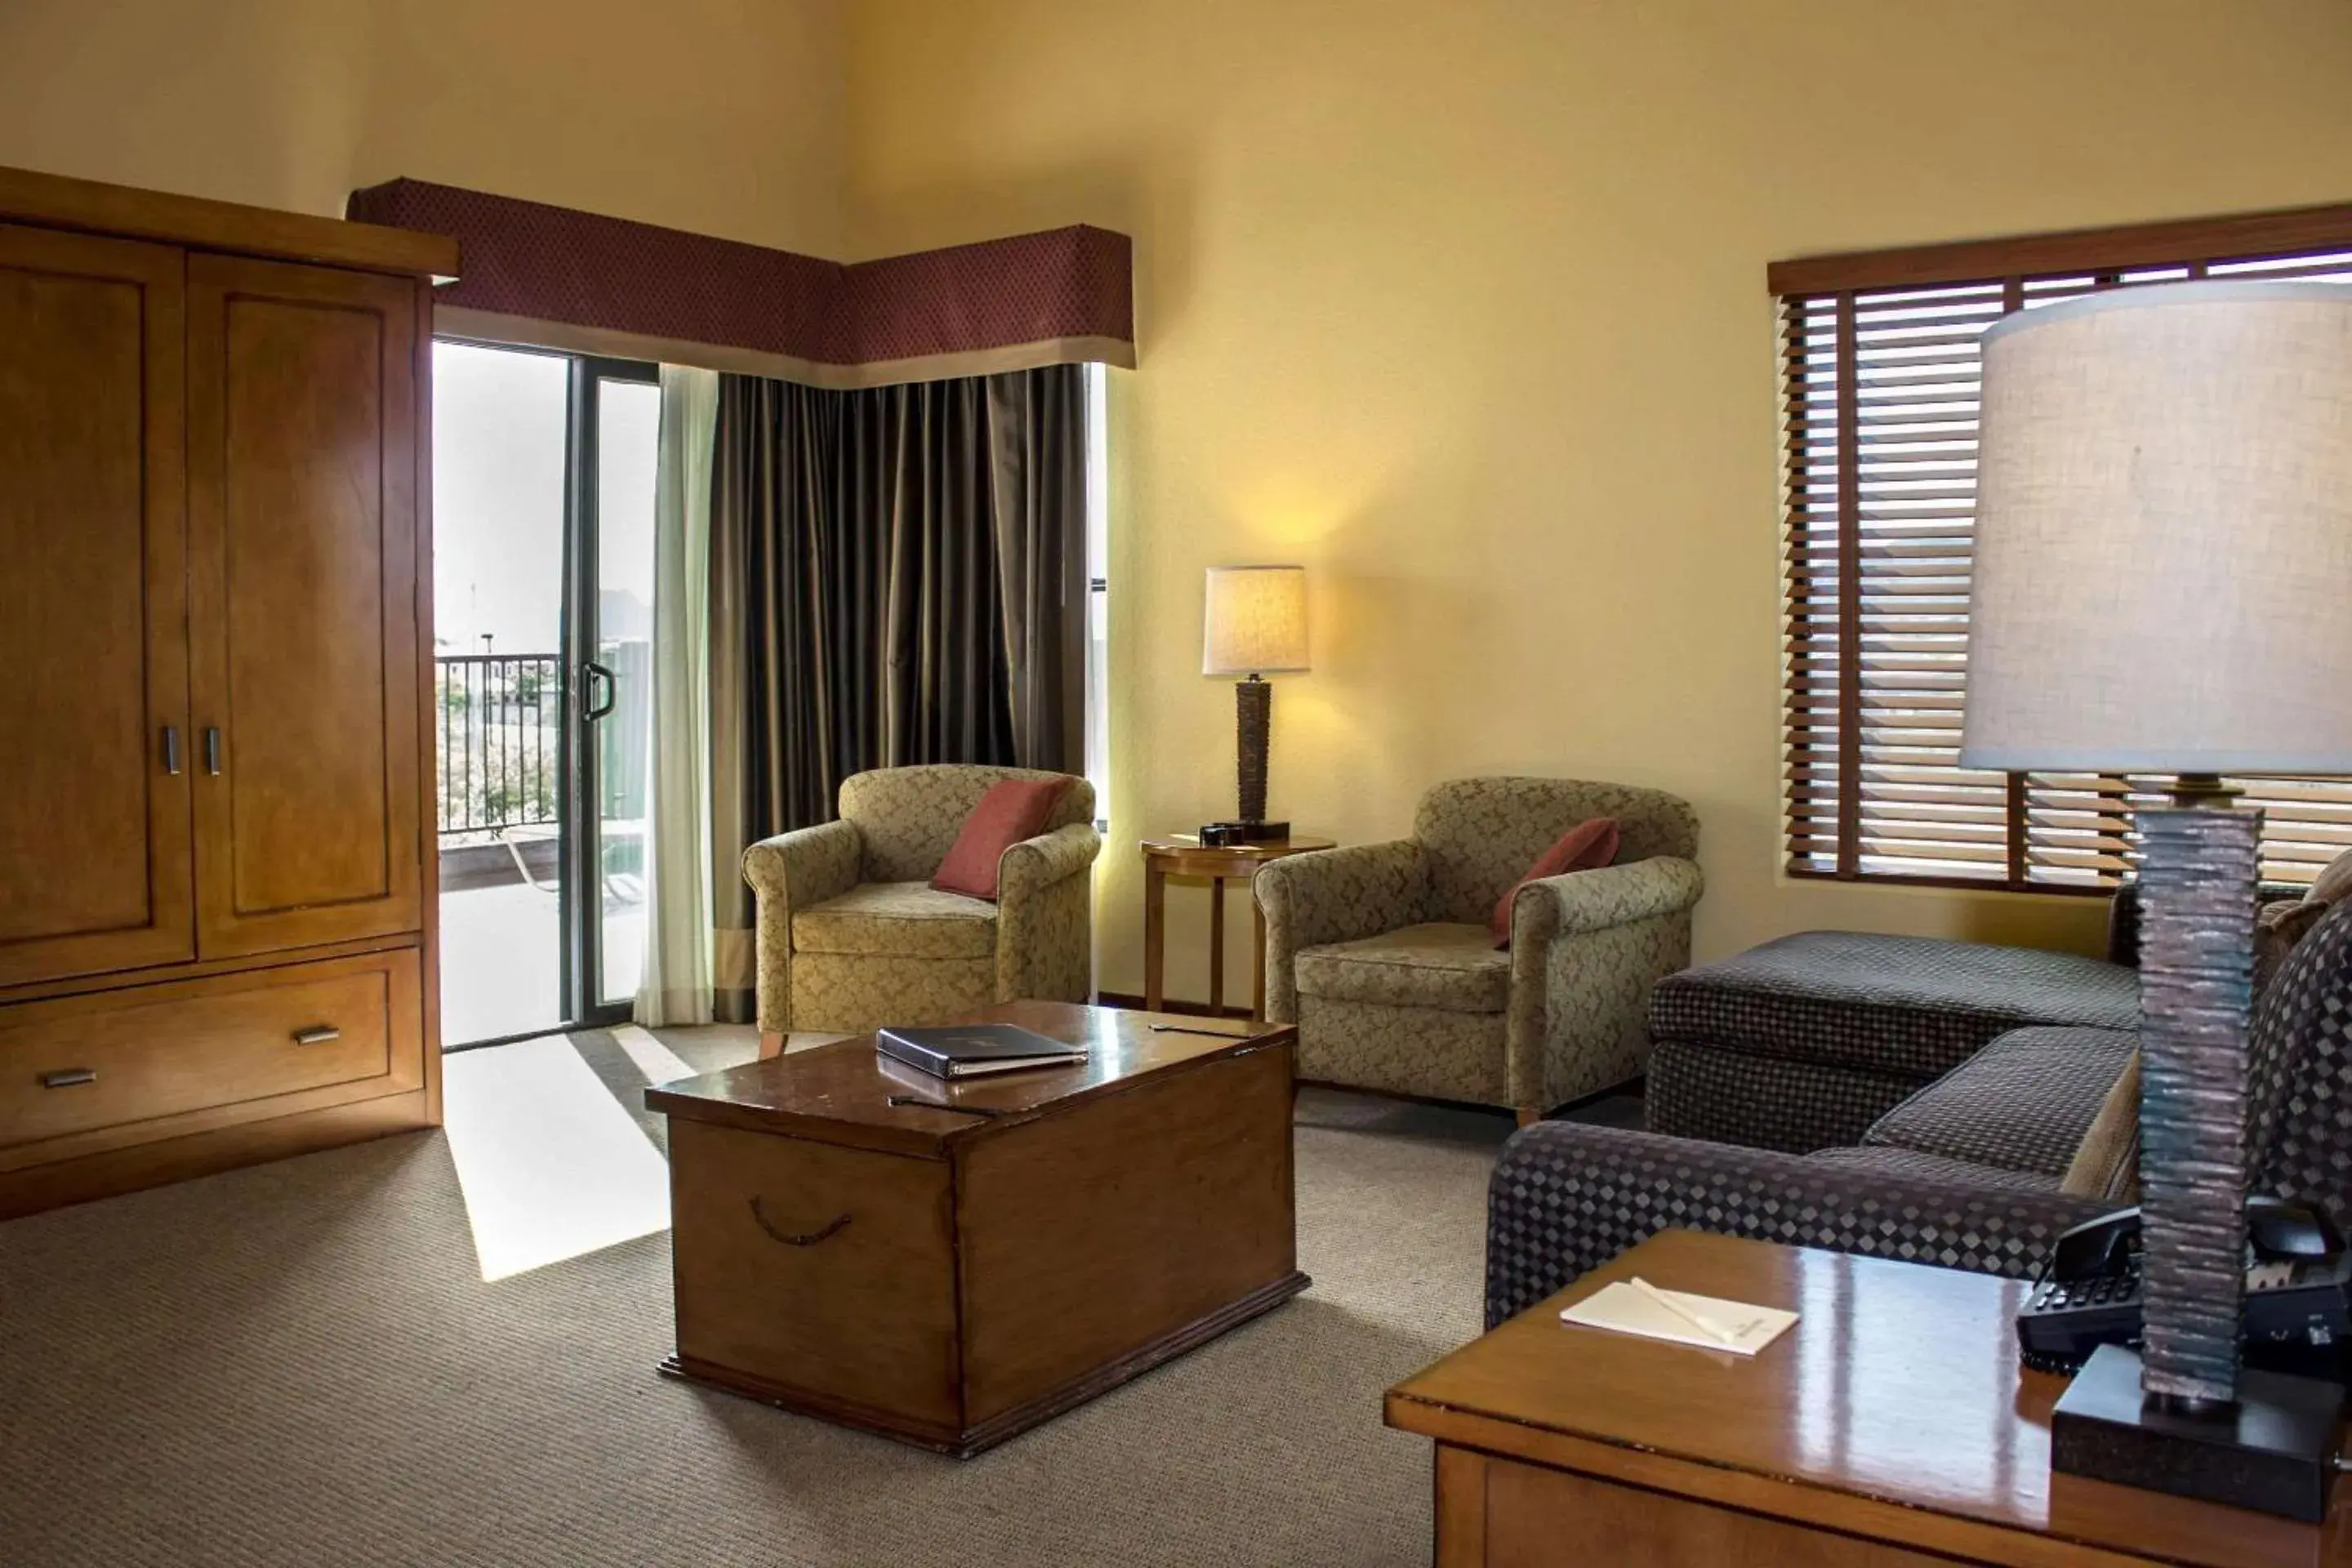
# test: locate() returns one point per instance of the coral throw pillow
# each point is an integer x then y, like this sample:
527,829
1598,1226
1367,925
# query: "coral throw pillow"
1010,811
1587,846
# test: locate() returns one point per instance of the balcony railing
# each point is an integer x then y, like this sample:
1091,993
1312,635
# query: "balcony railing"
500,719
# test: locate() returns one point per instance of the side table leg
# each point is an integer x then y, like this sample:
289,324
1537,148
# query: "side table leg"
1155,936
1216,947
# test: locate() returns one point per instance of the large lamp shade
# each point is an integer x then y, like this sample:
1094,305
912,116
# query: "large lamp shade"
1256,621
2163,574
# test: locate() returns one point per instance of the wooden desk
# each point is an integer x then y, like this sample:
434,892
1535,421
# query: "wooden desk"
1892,1425
1166,857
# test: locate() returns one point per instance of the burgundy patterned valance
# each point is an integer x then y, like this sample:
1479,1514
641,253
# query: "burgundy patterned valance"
561,279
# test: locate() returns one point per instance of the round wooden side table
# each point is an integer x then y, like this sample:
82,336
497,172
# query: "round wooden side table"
1166,857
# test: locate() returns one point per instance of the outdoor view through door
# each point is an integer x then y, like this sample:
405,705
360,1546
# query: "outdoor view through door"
543,571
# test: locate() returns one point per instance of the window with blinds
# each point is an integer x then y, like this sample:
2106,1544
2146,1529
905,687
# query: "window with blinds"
1880,381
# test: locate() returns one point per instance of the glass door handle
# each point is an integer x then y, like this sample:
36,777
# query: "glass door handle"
590,673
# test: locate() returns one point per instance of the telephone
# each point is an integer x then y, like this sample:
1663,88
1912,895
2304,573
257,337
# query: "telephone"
2298,1286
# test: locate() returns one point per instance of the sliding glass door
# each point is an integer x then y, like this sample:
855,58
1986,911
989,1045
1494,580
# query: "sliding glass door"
543,507
619,407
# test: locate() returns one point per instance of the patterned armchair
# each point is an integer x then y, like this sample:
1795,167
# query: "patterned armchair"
852,936
1965,1174
1380,953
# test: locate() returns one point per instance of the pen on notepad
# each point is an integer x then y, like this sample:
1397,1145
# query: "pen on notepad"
1698,1320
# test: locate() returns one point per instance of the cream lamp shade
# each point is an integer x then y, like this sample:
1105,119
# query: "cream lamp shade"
1256,622
2163,572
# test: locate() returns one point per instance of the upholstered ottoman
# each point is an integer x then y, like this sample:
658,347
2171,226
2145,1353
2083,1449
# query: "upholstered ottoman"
1803,1043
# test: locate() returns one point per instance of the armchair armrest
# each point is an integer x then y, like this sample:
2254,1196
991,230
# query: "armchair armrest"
1034,864
1045,916
1566,1198
794,870
1333,895
1580,901
1586,948
804,867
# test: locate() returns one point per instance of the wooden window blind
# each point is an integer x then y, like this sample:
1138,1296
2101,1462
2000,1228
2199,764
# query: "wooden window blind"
1879,384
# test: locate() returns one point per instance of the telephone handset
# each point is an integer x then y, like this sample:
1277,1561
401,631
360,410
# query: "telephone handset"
2298,1283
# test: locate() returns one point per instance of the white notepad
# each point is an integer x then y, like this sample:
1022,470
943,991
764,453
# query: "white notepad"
1624,1309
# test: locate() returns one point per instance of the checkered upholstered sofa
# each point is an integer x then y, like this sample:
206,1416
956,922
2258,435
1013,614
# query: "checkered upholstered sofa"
1964,1174
1381,954
852,935
1804,1042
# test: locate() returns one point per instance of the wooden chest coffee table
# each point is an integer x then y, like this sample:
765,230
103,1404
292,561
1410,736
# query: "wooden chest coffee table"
951,1278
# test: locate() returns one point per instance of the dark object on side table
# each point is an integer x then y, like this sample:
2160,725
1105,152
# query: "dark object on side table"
2298,1284
2270,1448
1228,834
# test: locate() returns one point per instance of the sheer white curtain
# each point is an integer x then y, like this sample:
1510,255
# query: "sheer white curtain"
675,988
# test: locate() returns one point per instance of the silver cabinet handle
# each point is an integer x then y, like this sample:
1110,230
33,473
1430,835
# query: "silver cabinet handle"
316,1034
172,750
66,1078
212,750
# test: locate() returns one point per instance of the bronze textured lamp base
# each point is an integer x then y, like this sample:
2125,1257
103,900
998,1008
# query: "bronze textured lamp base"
2274,1451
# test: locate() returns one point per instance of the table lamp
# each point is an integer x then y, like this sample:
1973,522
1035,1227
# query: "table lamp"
2163,584
1256,627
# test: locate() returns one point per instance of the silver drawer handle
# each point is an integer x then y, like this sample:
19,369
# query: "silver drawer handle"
317,1035
66,1078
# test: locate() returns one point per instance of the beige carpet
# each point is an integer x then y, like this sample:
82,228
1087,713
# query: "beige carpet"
299,1364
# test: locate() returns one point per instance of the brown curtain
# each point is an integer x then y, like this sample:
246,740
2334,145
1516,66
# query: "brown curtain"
897,575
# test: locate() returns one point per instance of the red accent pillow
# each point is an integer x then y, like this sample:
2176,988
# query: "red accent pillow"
1010,811
1587,846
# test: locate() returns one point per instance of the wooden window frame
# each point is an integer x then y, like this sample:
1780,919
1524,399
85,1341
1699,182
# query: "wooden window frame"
1801,287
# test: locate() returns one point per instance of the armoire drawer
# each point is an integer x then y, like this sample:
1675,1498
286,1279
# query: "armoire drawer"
83,1073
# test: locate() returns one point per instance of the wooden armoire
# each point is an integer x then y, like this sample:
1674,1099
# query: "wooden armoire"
216,835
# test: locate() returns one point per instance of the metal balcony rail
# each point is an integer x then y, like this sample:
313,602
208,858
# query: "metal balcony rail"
501,718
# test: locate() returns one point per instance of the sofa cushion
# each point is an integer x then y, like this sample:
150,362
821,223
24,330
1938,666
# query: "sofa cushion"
1012,810
1453,967
1897,1004
2106,1163
2023,1103
1916,1165
899,919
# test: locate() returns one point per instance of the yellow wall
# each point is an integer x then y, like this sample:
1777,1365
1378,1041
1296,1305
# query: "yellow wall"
1461,302
720,116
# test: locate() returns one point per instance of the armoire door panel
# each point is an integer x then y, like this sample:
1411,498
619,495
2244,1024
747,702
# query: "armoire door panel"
302,527
93,613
